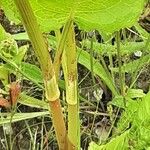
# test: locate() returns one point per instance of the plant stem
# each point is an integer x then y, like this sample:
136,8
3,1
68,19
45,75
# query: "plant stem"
61,44
111,66
91,60
42,53
120,63
72,127
69,64
58,120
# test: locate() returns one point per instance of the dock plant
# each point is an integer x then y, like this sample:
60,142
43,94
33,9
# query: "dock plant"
39,17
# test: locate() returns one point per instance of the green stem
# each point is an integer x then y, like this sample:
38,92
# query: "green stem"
42,53
111,66
91,60
60,48
69,64
120,63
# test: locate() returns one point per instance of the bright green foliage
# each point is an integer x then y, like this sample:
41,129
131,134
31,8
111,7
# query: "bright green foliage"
10,10
8,46
137,114
144,109
107,16
117,143
3,34
4,75
135,93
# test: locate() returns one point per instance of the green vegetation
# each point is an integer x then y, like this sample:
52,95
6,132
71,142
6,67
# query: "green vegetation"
51,30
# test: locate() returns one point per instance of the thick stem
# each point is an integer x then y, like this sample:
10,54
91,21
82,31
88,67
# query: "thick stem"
58,123
72,127
41,50
70,71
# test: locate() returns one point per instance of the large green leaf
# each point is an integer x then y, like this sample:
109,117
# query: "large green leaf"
107,16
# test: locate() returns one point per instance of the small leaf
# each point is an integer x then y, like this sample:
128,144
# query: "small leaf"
10,10
135,93
118,101
21,36
4,75
32,102
21,53
3,34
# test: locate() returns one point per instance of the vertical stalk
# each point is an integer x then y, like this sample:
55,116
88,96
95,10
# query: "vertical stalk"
120,63
70,71
91,60
41,50
111,66
61,44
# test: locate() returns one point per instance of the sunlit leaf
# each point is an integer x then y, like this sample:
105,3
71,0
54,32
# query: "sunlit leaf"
135,93
107,16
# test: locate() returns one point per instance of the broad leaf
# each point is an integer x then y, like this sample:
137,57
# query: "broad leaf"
106,16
